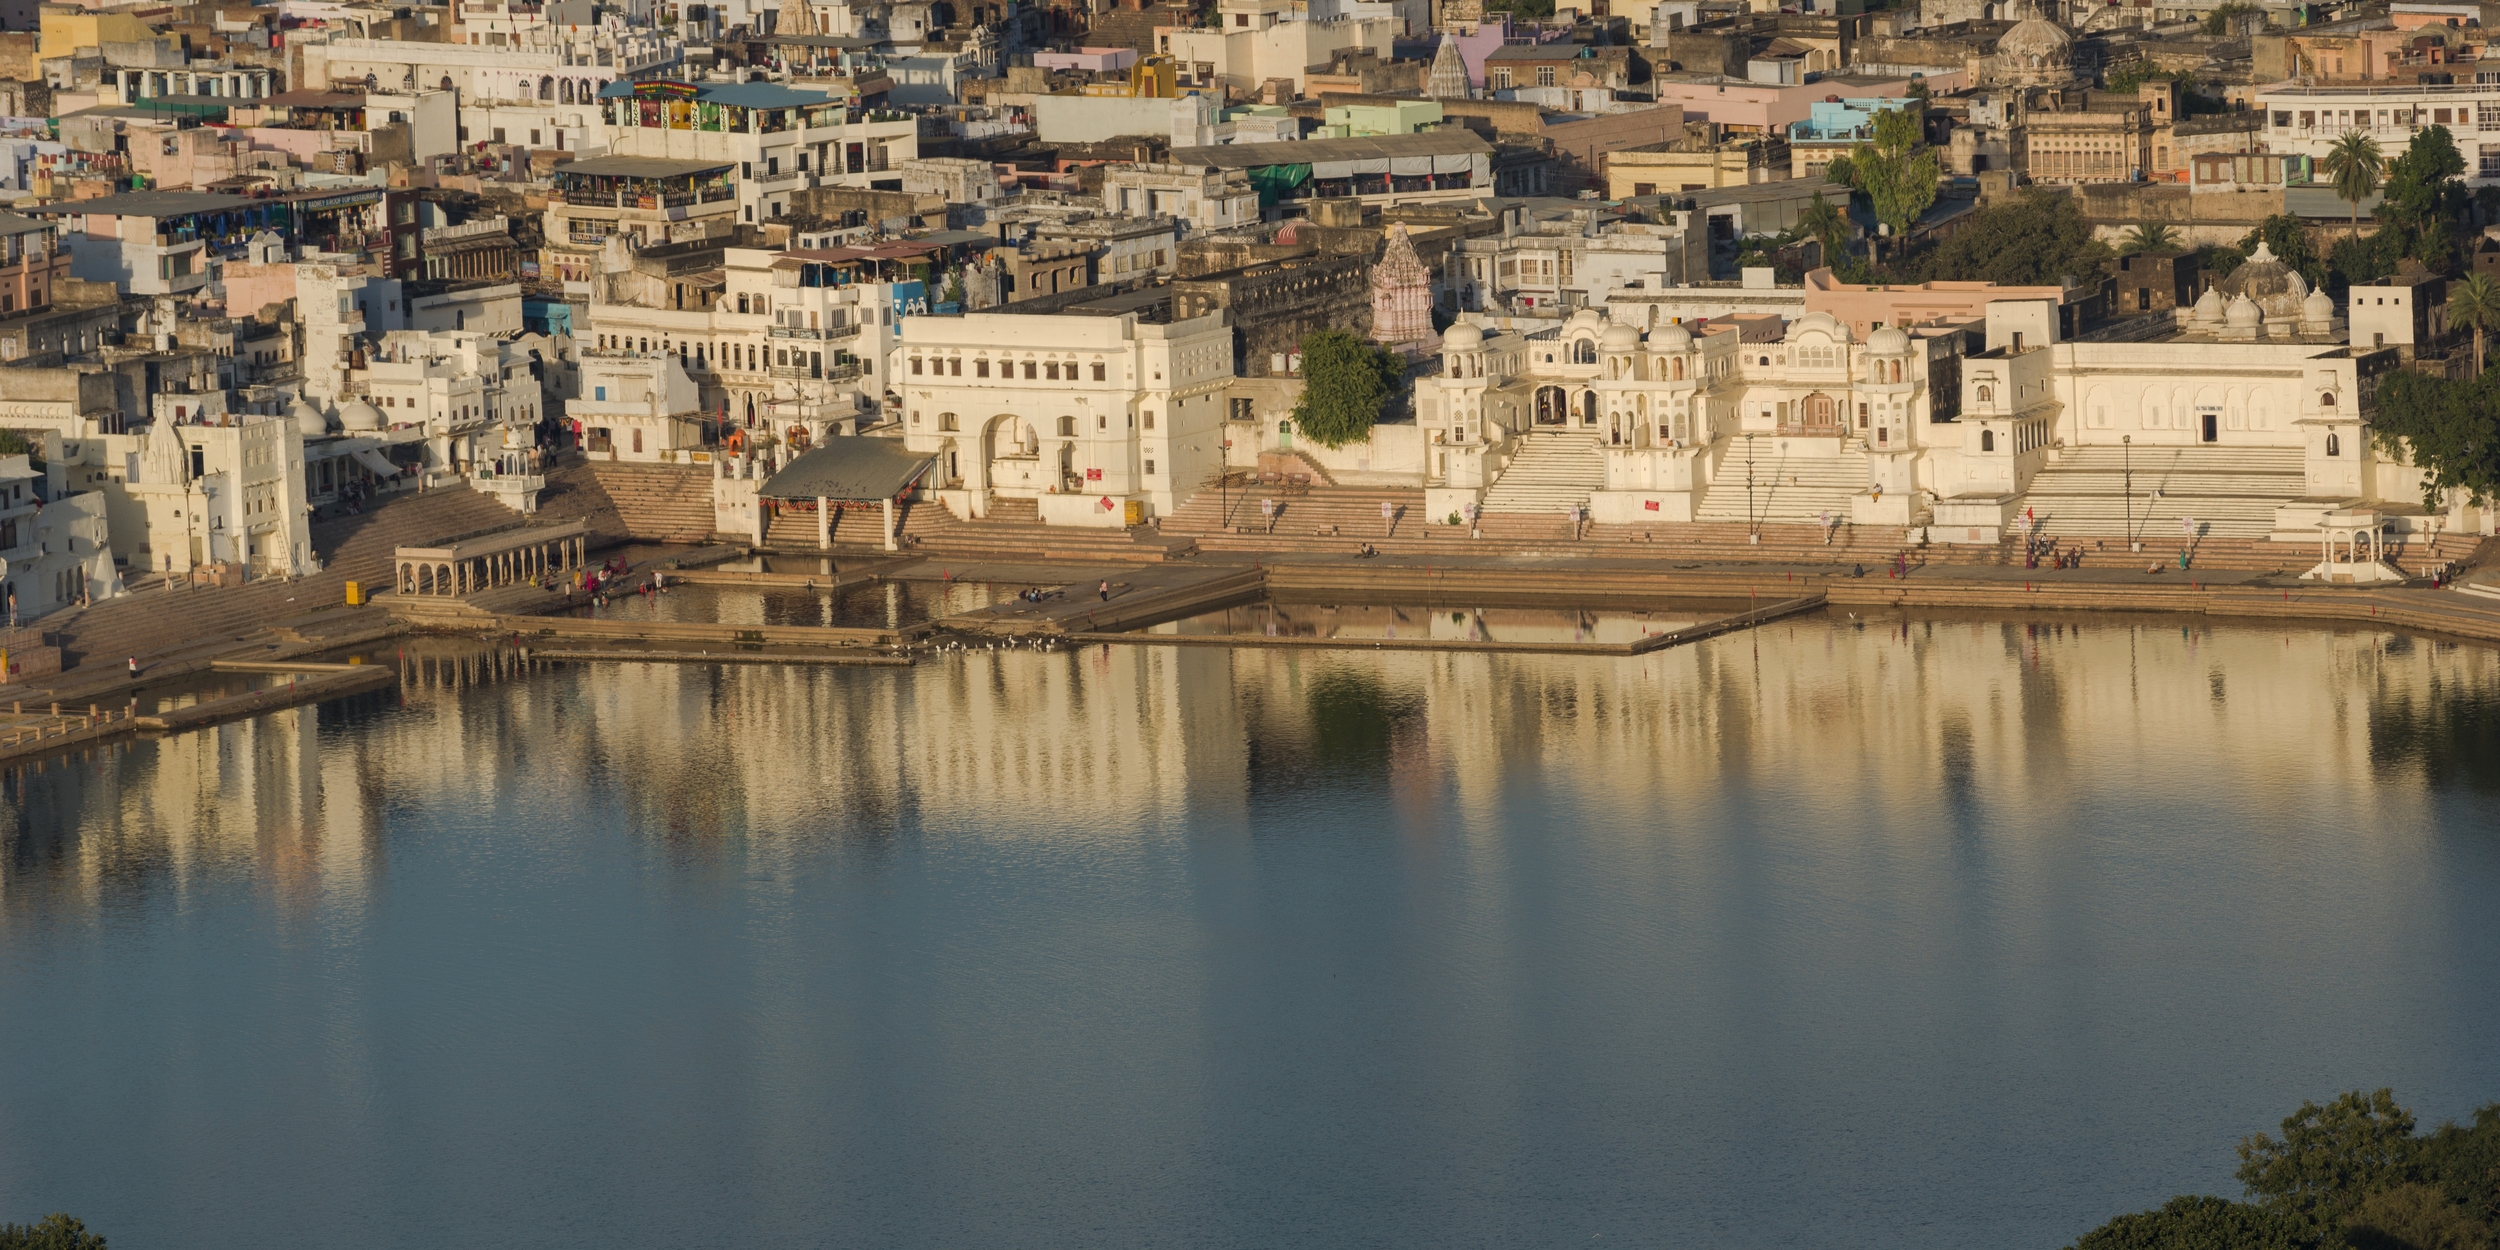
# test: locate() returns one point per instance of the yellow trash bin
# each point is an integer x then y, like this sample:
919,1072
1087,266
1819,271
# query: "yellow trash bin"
1135,514
355,594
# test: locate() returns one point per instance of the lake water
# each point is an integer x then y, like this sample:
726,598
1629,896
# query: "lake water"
1929,933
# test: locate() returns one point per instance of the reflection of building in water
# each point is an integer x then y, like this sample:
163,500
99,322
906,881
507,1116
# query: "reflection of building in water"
1940,725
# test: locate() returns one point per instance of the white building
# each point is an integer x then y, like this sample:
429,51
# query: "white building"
779,138
2250,416
538,87
1256,40
1083,414
52,556
475,395
639,406
2307,120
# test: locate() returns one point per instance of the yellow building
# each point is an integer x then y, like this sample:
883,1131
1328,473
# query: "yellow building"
64,32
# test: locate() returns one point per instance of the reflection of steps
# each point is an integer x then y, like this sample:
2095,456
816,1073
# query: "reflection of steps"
2231,492
1548,475
1786,488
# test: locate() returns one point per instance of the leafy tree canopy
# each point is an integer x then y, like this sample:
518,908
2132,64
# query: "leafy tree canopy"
2451,430
53,1232
2330,1157
1346,381
2284,235
2033,238
2198,1223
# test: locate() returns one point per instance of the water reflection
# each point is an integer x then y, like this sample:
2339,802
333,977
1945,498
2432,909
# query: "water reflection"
1941,931
862,605
1287,619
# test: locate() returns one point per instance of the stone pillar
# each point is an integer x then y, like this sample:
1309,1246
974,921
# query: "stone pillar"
890,543
824,522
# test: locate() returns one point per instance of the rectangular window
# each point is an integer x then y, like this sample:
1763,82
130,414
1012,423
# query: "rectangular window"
1501,80
2487,116
1545,75
599,393
1098,371
1150,419
1031,371
2282,119
915,366
955,368
980,368
1150,468
1050,371
2491,162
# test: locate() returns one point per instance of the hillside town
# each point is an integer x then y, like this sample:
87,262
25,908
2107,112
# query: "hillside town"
292,290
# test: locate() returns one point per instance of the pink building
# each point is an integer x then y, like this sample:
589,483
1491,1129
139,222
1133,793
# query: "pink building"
1865,307
1761,108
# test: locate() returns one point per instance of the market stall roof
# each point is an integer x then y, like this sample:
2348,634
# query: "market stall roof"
851,468
640,167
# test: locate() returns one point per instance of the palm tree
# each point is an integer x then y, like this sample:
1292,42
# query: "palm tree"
2352,166
1822,220
2476,302
2151,236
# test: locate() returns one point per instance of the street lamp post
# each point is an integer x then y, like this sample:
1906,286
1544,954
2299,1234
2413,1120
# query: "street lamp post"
1752,533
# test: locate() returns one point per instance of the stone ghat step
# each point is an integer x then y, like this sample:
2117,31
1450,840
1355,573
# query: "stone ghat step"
658,503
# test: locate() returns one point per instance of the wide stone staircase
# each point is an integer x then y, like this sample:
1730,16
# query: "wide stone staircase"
2232,493
1789,489
650,502
1549,474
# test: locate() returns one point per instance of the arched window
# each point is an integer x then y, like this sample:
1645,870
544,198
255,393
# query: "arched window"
1896,371
1679,368
2334,444
546,88
946,421
1987,440
1986,395
446,82
1584,352
2327,400
1765,362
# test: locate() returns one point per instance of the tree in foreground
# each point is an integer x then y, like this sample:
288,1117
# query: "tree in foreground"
2475,303
54,1232
1346,381
2449,430
2352,167
2198,1222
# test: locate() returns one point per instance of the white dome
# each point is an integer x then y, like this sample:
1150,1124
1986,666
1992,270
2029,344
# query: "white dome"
2243,313
1463,337
1585,317
1889,341
1620,338
2318,309
2209,307
1674,338
356,414
308,420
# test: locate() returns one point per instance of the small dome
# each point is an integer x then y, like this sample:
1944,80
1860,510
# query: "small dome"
1585,317
1463,337
2243,313
1620,338
1674,338
2317,310
356,414
2276,288
2209,307
1889,341
308,420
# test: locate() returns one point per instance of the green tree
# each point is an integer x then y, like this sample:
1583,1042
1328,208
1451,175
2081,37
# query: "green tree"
2135,74
2151,236
2446,429
2413,1217
2475,302
53,1232
2330,1158
2219,21
2352,167
1346,381
2423,184
2032,238
1823,220
2191,1222
1896,172
2464,1159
